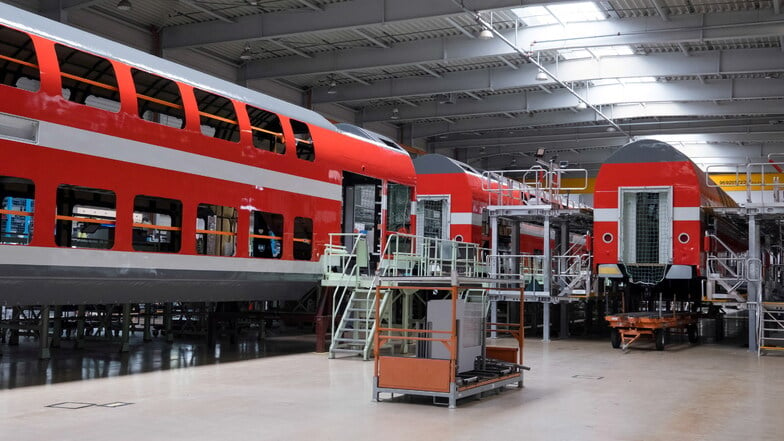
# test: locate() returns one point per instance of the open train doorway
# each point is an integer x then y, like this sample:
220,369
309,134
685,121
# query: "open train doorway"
362,211
645,244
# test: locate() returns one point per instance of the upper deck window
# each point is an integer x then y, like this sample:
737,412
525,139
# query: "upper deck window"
18,63
88,79
159,99
305,147
267,131
217,116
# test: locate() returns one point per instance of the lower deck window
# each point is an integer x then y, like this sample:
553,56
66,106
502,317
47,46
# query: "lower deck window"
216,230
17,197
157,224
85,217
266,235
303,238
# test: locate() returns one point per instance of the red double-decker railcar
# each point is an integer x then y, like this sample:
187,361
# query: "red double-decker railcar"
451,202
128,178
651,210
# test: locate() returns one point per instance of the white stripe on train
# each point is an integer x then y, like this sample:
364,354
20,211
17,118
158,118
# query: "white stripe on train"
678,214
75,140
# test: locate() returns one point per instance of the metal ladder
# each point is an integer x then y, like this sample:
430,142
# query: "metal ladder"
770,327
354,333
727,270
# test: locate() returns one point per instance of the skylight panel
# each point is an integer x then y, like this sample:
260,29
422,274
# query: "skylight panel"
638,80
604,81
576,12
574,54
535,16
561,13
611,51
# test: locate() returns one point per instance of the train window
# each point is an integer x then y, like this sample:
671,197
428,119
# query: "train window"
398,208
305,149
267,131
159,99
303,238
85,217
18,62
217,116
89,80
216,230
157,224
266,235
17,196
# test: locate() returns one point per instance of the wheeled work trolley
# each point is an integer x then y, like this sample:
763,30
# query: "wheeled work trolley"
630,326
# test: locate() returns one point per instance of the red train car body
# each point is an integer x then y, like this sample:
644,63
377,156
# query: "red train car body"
459,194
651,210
128,178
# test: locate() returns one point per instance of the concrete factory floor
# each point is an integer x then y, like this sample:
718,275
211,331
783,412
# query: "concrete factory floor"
576,390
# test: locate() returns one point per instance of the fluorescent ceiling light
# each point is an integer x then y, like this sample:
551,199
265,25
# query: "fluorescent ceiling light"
560,13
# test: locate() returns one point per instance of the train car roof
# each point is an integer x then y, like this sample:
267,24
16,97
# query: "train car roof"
58,32
434,164
646,150
369,135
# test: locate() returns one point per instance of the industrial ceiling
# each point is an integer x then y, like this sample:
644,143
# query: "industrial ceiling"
704,75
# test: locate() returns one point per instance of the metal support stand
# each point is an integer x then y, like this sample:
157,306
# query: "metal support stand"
564,332
754,288
167,322
147,322
545,321
547,270
43,334
58,326
125,344
494,270
80,318
13,338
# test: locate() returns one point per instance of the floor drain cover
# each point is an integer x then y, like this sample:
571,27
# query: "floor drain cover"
114,404
587,377
71,405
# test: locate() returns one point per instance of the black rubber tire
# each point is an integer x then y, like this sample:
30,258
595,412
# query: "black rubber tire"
694,335
658,339
615,338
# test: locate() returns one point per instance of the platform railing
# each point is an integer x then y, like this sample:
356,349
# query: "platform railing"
727,269
407,255
756,178
537,185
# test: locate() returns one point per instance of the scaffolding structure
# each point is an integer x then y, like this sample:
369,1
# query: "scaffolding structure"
560,274
754,280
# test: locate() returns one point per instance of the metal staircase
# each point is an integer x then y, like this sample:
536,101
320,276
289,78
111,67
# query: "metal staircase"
770,327
354,333
728,271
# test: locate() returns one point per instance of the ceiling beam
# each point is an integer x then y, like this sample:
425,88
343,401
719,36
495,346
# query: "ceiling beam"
291,49
429,71
207,11
310,5
371,38
462,30
338,16
660,65
633,31
355,78
679,91
660,10
507,62
615,112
